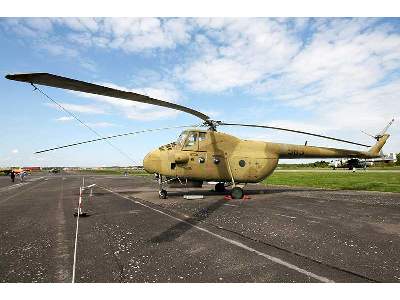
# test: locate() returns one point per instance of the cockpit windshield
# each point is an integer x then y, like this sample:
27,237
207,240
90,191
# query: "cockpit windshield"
182,138
191,140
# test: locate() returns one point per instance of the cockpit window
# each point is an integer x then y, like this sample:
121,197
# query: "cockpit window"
182,138
191,140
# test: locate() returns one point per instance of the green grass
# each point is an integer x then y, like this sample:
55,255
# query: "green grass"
361,180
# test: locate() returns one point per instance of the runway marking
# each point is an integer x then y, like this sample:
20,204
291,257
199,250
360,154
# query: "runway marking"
285,216
7,188
76,238
19,193
311,221
233,242
230,205
130,212
75,247
62,250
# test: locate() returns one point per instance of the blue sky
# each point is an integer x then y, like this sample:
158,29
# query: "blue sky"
332,76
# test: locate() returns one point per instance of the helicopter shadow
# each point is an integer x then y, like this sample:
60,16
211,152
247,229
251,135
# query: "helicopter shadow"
182,227
227,192
185,225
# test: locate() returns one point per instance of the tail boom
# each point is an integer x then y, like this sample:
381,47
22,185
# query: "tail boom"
290,151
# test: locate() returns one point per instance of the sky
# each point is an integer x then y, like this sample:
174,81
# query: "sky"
333,76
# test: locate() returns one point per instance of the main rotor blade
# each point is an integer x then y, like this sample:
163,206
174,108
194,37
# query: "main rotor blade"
296,131
82,86
112,136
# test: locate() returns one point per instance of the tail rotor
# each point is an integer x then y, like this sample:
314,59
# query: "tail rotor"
380,134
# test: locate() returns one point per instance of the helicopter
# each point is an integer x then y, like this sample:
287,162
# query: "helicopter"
204,154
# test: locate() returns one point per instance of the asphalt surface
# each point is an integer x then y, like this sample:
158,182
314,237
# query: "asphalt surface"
280,234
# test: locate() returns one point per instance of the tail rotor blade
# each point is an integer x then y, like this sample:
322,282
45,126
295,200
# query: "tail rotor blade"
366,133
386,128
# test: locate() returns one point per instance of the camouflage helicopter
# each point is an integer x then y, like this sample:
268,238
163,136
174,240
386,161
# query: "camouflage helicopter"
203,153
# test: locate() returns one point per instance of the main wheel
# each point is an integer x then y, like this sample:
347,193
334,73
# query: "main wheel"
163,194
220,187
237,193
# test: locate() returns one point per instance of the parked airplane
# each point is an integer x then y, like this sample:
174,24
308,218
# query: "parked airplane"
361,163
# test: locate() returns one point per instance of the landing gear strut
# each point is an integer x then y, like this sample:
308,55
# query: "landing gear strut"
220,187
236,191
163,194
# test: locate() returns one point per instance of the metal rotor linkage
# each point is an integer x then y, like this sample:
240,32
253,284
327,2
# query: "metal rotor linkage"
212,124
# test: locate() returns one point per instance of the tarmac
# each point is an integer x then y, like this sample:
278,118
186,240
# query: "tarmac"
279,234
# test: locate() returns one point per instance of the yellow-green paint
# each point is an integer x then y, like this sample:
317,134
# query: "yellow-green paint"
210,157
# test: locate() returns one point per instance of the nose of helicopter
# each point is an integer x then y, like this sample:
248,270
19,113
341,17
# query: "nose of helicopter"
152,161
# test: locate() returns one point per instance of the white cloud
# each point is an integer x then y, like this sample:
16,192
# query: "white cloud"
136,110
341,77
58,49
127,34
64,119
237,52
14,151
138,34
342,73
212,75
80,108
79,24
31,27
39,24
100,124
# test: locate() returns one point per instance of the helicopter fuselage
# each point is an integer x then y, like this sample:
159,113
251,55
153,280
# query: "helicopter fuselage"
207,155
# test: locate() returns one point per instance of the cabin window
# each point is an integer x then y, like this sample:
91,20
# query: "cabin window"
202,136
203,141
242,163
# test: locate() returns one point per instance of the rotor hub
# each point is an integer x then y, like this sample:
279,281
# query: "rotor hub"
212,124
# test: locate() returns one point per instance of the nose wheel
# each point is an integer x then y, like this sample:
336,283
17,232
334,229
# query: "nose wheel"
163,194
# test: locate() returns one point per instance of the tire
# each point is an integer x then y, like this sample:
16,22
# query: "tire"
237,193
163,194
220,187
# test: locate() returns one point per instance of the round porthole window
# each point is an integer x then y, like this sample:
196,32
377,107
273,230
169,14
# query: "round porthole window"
242,163
201,160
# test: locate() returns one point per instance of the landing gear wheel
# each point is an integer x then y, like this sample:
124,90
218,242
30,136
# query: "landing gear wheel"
237,193
220,187
163,194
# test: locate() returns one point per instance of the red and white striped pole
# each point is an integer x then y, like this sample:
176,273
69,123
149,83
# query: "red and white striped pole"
80,201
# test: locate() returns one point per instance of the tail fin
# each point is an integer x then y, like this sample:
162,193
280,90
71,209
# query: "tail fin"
381,138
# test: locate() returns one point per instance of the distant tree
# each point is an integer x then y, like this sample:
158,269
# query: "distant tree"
320,164
398,159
